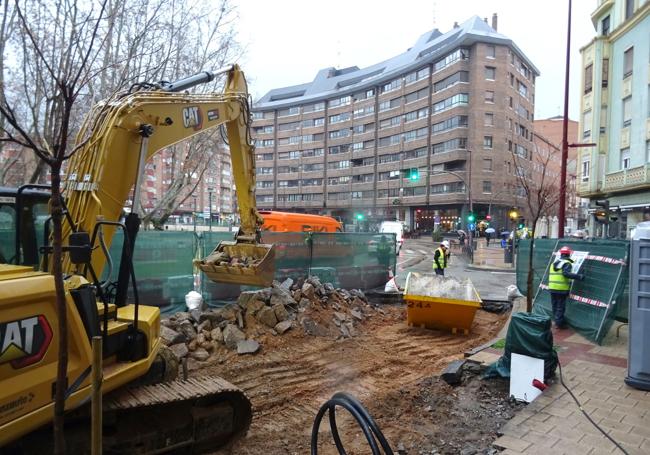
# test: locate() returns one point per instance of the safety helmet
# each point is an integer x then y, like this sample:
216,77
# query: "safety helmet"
565,250
445,243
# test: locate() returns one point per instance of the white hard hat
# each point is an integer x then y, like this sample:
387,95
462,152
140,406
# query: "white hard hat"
445,243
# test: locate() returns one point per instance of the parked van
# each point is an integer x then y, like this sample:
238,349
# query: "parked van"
298,222
393,227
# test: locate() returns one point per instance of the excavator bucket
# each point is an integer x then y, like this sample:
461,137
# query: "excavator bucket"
240,263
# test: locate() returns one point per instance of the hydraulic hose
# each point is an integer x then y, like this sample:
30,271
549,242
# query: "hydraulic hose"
366,422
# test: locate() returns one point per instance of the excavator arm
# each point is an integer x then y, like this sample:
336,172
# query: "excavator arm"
121,134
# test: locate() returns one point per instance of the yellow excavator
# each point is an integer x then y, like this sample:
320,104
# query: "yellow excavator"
116,140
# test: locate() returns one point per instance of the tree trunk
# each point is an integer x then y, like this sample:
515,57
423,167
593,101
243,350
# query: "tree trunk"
529,281
62,366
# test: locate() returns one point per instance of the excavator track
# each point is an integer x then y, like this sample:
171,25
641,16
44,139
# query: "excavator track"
196,415
190,416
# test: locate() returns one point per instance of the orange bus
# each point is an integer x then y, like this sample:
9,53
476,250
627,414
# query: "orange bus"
298,222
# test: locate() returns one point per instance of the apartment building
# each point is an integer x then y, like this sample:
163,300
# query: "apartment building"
615,107
548,134
404,137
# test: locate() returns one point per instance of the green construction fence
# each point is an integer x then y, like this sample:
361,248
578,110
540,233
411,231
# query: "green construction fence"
163,262
594,303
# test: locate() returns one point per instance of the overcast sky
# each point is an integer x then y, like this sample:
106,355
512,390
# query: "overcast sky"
288,41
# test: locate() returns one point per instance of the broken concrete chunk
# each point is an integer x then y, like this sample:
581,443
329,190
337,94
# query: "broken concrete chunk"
267,317
280,311
357,315
245,297
340,316
216,335
187,329
308,290
247,347
453,373
282,327
200,354
206,324
170,336
254,306
231,335
313,328
286,284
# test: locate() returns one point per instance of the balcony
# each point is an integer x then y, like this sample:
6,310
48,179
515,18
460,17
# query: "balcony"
627,179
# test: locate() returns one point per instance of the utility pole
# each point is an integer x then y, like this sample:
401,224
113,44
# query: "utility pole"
210,190
565,124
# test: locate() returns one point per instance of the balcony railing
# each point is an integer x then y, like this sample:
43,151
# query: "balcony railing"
626,178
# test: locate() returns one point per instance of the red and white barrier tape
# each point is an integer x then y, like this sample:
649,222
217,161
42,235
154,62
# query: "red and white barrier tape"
578,298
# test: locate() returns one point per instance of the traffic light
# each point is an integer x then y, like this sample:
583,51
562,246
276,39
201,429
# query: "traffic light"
471,217
602,214
360,216
488,217
414,174
522,223
513,214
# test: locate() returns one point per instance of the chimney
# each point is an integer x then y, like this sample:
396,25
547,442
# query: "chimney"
494,21
455,24
485,20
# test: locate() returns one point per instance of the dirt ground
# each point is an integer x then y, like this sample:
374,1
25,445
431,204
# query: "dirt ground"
391,368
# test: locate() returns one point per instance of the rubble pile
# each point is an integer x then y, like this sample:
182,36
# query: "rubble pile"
439,286
308,306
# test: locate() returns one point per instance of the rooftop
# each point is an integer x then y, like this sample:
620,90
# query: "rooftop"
429,47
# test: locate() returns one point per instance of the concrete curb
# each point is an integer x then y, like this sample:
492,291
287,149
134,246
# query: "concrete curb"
489,269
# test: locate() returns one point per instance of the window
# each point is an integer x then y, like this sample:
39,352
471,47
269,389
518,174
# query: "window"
343,101
585,170
452,101
487,186
289,126
453,122
461,76
289,155
628,62
490,51
458,54
266,143
629,8
625,158
447,146
342,117
392,85
489,119
521,87
605,73
385,105
487,142
604,26
490,73
627,111
589,71
312,153
487,164
489,96
289,111
316,107
586,124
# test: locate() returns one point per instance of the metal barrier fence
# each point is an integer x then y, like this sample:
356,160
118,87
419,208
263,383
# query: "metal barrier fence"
594,303
163,262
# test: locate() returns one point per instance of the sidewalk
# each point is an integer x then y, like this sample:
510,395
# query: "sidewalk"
554,424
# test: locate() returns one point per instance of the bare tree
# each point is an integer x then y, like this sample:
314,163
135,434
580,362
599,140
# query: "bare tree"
61,44
538,184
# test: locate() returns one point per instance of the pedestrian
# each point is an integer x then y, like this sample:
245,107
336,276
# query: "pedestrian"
441,258
487,238
559,284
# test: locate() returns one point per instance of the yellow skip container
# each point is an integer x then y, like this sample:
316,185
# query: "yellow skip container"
437,302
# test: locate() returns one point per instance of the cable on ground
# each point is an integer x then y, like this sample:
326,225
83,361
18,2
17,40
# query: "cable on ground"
366,422
587,415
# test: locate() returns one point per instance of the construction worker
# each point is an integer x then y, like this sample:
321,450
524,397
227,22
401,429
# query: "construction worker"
559,283
441,258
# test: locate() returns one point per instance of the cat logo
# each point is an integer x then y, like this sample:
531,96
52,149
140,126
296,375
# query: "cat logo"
25,341
192,118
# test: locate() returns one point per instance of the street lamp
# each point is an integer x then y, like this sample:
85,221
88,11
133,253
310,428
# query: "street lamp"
194,212
468,188
210,191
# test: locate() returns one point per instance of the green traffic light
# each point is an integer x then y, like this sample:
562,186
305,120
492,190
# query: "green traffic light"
471,218
415,174
359,216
